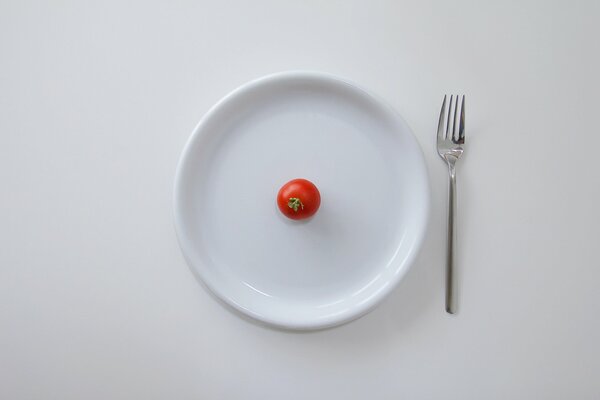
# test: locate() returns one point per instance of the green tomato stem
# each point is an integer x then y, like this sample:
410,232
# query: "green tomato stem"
295,203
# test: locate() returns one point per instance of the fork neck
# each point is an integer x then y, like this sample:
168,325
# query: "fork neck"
451,161
452,170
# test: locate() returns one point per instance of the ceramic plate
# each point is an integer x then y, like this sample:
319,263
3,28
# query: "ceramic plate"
374,200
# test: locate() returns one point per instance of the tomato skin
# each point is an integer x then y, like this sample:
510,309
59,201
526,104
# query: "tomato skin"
302,194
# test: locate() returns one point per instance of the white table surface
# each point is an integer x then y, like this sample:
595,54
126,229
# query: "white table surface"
97,101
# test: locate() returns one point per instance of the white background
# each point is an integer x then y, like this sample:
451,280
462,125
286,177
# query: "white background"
97,101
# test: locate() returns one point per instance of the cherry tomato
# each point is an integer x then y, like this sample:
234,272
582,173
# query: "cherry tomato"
299,199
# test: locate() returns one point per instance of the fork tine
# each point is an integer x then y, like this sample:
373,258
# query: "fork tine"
461,125
448,116
454,135
440,134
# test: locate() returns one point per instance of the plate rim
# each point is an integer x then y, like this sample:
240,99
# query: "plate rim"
352,313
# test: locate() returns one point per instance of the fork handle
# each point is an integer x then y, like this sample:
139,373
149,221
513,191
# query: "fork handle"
450,284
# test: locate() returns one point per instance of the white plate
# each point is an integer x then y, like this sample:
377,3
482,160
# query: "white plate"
374,188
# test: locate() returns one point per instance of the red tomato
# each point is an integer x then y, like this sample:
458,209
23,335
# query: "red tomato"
299,199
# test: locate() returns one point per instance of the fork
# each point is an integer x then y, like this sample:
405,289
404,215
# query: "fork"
450,147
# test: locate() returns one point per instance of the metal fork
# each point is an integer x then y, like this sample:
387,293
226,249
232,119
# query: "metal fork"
450,147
